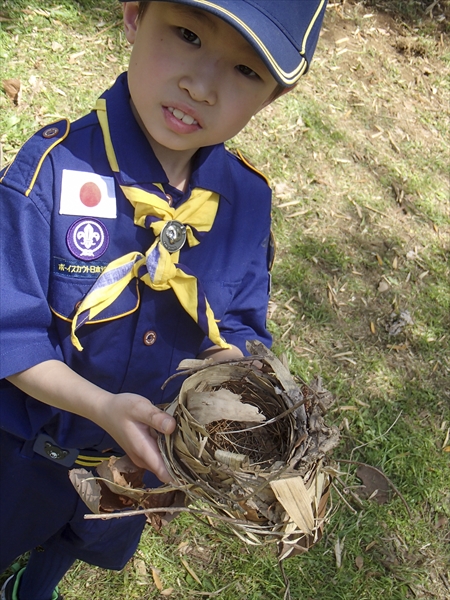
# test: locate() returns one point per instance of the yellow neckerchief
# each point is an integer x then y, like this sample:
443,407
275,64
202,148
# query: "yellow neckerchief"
158,268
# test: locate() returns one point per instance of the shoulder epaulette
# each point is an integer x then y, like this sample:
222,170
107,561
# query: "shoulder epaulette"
248,164
23,171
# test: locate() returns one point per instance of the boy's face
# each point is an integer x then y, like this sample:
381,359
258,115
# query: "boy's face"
194,81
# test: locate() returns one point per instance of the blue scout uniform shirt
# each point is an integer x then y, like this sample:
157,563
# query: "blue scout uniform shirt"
141,338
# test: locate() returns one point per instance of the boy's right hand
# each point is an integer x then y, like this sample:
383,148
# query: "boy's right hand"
130,419
133,422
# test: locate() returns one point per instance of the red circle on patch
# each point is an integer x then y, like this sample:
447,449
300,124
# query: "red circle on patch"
90,194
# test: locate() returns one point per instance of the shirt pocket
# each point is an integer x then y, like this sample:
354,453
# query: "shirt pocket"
67,294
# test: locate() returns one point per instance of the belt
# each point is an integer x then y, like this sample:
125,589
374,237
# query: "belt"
46,446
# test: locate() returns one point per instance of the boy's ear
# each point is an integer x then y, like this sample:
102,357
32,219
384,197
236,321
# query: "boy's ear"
130,20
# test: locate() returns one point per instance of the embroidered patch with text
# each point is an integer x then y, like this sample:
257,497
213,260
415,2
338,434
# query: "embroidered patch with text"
75,268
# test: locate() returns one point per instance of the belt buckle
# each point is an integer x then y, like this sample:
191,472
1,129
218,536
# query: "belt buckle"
46,446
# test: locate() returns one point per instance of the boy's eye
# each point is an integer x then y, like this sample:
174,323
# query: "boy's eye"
190,36
246,71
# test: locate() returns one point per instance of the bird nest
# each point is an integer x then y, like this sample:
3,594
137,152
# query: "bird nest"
252,446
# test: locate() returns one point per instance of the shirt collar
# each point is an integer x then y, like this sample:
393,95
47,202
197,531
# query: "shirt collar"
137,161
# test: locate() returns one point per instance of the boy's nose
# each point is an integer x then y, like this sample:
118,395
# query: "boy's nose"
201,82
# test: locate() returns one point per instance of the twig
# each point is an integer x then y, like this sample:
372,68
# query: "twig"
249,525
375,210
270,421
396,490
347,491
287,583
163,509
102,31
204,365
379,437
212,594
431,7
344,500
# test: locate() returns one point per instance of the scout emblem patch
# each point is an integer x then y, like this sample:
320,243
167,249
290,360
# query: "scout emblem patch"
87,239
87,195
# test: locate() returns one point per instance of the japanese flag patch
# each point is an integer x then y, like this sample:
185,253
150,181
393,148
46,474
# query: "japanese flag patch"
87,195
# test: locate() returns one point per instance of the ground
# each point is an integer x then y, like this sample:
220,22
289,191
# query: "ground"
358,157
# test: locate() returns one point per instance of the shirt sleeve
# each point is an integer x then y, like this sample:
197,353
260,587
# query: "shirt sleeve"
246,317
26,335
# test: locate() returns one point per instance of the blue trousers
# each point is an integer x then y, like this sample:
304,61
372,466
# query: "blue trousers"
40,507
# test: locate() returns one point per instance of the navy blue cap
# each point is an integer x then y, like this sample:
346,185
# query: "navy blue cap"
284,33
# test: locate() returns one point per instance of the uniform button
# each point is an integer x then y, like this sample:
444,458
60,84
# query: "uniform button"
149,338
169,199
51,132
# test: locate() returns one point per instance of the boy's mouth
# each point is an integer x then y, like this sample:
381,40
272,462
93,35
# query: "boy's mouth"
181,116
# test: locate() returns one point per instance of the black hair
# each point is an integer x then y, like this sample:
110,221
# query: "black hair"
141,9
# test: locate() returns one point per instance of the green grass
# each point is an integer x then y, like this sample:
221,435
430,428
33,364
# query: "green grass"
358,158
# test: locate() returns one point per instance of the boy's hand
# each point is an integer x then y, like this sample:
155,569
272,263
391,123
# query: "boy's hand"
133,422
130,419
218,354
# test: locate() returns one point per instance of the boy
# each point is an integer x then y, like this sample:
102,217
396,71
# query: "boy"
132,240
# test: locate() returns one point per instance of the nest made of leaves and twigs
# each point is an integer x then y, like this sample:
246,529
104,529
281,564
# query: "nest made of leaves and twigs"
253,446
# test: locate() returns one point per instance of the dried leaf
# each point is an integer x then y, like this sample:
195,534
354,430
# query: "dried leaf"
183,546
338,548
36,84
207,407
442,522
13,89
191,571
234,461
281,371
141,570
73,57
157,579
375,485
194,363
359,562
87,487
399,322
296,501
123,477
